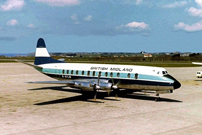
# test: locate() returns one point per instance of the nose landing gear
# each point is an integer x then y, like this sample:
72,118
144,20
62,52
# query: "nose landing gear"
157,98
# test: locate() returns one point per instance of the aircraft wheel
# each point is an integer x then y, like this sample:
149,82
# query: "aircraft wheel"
157,99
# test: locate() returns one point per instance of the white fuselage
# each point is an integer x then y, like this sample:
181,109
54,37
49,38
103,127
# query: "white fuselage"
132,77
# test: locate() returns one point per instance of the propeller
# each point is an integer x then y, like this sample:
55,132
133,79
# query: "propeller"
96,87
115,87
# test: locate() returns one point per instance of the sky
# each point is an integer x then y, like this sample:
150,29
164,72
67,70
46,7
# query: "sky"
101,25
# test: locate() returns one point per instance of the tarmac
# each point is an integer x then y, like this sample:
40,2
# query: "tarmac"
42,109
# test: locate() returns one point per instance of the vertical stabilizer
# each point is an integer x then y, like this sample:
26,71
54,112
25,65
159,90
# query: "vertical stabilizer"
41,50
42,56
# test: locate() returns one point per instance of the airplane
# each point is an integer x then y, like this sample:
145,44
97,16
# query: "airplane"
104,77
198,73
197,63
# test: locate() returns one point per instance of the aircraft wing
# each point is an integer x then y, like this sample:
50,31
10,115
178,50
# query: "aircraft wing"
197,63
87,81
54,82
81,84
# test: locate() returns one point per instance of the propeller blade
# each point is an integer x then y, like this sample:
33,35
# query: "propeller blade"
118,82
98,80
95,92
109,91
115,88
116,92
112,81
95,96
96,87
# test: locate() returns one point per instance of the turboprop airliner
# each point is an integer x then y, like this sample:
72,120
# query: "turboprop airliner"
105,77
197,63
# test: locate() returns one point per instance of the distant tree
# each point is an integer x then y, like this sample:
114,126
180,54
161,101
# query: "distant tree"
175,57
194,55
2,56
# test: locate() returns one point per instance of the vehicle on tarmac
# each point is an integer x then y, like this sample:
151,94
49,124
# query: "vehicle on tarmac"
199,74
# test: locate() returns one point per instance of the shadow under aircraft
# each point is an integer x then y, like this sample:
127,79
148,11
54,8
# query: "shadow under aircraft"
102,96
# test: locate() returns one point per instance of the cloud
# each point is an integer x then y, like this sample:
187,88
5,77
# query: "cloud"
199,2
13,5
88,18
75,19
60,2
134,27
6,38
12,22
176,4
31,25
138,2
139,25
189,28
196,11
128,2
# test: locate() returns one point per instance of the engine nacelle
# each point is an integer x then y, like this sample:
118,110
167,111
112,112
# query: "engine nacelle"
87,86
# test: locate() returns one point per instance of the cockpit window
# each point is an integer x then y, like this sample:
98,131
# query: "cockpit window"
164,72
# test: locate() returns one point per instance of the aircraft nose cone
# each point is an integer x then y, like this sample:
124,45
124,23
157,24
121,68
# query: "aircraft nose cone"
176,84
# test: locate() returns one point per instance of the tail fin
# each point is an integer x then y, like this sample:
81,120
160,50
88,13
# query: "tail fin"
42,56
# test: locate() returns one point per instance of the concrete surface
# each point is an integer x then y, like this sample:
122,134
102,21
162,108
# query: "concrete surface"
35,109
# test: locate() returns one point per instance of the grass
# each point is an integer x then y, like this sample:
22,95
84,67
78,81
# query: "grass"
112,61
156,64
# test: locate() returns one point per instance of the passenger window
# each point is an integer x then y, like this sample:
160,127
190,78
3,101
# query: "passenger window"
72,71
111,74
136,76
100,73
93,73
128,75
88,73
118,74
77,72
106,74
63,71
67,71
82,73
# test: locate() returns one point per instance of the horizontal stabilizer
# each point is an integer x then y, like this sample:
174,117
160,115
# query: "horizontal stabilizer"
32,65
